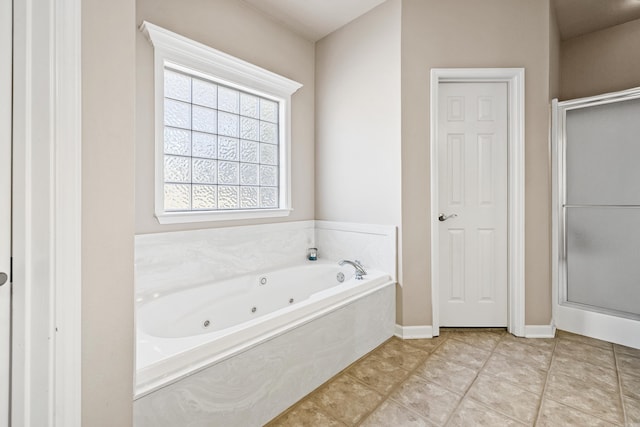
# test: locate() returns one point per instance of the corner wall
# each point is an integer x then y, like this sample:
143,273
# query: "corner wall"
487,34
358,117
602,61
108,123
238,29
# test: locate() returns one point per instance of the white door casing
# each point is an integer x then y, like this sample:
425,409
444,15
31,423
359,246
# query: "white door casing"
472,185
6,23
514,78
46,203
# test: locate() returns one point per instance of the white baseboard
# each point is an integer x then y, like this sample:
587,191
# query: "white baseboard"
539,331
413,332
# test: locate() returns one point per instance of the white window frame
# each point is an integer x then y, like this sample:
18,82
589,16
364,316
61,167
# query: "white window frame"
176,51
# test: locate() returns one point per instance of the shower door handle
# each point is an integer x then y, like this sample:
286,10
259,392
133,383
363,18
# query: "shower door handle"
443,217
3,278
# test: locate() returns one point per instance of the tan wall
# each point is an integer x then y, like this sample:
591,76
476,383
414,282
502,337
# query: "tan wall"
602,61
467,33
358,117
108,111
239,30
554,55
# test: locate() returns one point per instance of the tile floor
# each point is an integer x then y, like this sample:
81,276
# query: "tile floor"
471,377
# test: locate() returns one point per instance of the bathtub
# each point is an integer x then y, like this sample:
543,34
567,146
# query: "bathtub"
221,327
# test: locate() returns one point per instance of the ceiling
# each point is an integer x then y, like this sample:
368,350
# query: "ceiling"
578,17
314,19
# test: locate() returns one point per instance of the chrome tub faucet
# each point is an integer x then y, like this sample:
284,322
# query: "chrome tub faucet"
360,271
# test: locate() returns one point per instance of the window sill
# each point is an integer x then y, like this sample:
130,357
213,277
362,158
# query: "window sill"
187,217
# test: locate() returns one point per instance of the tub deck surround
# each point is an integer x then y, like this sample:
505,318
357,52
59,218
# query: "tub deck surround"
374,245
205,356
165,261
187,330
258,377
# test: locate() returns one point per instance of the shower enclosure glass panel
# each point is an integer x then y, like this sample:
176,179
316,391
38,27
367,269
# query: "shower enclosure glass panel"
601,207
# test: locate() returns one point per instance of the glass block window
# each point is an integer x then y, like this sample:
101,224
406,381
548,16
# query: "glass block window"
221,146
222,134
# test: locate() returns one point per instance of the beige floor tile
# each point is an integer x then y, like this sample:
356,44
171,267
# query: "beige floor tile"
378,372
392,414
426,398
305,414
554,414
524,353
517,373
584,396
464,354
346,399
471,414
450,375
505,398
541,343
480,339
632,411
402,355
620,349
628,365
586,353
563,335
427,344
630,386
601,376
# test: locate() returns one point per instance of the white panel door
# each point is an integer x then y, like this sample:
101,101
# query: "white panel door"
472,187
5,204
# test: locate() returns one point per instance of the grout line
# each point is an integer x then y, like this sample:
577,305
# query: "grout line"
386,397
480,370
568,405
411,372
466,392
324,385
620,390
546,380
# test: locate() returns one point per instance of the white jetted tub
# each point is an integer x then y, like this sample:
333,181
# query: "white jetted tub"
193,345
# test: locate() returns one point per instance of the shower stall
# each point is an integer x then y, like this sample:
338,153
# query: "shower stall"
596,216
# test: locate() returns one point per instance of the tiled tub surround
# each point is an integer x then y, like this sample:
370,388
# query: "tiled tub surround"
470,377
248,377
166,261
374,245
257,383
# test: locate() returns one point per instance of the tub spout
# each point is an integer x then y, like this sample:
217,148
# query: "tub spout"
360,271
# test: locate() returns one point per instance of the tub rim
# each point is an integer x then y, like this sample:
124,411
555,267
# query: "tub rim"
160,374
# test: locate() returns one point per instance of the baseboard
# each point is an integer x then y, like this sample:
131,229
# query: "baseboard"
413,332
539,331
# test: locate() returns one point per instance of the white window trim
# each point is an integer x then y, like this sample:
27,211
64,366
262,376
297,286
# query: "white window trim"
178,51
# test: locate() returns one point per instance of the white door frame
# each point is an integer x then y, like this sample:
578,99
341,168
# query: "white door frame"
571,316
6,42
47,220
514,77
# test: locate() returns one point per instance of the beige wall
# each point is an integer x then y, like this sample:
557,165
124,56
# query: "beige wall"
602,61
467,33
554,54
358,115
239,30
108,111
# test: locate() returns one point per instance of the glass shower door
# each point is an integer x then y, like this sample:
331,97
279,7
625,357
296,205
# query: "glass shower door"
598,223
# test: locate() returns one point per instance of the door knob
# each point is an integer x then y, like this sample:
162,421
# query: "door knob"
444,217
3,278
